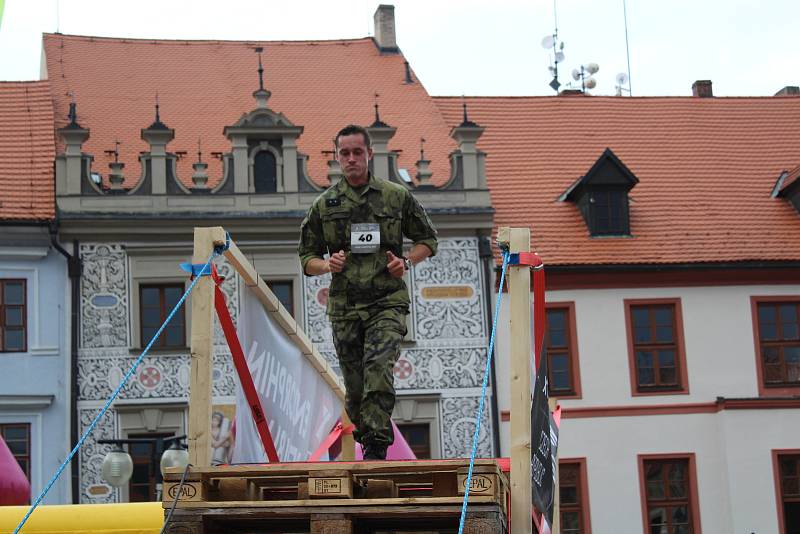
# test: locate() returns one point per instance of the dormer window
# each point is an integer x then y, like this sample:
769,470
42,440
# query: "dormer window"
788,187
608,211
265,172
602,196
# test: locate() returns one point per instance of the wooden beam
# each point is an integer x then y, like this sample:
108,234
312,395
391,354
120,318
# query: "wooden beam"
202,350
242,265
348,453
282,317
519,290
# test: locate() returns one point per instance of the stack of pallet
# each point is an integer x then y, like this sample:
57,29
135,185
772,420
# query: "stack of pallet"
342,498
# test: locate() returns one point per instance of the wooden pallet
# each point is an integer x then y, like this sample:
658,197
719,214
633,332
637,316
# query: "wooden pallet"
346,497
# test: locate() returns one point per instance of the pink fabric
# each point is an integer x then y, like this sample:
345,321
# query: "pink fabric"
14,486
399,450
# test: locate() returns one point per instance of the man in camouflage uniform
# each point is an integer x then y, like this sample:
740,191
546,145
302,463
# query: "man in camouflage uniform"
360,223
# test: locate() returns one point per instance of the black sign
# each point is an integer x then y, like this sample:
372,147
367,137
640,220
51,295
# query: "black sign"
544,444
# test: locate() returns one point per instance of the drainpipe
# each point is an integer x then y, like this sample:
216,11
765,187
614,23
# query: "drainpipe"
487,258
74,272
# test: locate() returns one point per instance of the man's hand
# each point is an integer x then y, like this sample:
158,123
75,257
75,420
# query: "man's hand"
336,262
396,266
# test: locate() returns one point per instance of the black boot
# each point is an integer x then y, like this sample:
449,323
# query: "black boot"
374,452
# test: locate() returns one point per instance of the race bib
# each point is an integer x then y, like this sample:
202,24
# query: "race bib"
365,238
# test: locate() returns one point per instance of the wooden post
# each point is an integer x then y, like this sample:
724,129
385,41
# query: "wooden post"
202,350
519,291
348,442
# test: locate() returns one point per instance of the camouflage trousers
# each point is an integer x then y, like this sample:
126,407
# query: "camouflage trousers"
368,348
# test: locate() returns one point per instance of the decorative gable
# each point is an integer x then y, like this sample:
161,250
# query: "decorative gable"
602,196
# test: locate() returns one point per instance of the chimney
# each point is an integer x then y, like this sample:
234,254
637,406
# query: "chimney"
702,89
385,29
789,90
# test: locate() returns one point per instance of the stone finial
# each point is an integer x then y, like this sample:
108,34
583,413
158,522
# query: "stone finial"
261,95
200,175
116,177
335,173
423,171
69,165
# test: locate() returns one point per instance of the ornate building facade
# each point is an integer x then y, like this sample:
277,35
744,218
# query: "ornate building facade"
263,175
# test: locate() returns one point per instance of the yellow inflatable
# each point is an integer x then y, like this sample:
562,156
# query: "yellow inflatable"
127,518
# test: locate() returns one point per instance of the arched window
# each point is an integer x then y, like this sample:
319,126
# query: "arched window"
265,172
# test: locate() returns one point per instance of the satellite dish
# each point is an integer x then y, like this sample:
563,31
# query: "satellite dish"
591,83
559,57
592,68
622,78
576,74
548,41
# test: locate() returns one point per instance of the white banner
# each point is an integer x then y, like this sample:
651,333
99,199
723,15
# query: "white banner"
299,406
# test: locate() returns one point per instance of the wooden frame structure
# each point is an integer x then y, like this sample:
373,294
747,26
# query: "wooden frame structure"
202,342
322,497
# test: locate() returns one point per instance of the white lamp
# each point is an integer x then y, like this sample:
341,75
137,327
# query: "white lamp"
117,467
175,456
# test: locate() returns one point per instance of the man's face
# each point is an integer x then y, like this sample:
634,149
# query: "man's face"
354,155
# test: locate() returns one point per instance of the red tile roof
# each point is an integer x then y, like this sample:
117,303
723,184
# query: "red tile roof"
706,170
27,151
204,86
706,167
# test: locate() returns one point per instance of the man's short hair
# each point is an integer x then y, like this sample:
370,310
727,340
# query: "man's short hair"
352,129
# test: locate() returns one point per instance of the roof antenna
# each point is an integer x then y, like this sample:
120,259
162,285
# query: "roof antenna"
627,50
421,148
260,69
199,151
551,41
158,117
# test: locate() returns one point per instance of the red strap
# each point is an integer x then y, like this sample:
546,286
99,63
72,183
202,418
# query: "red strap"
539,317
330,440
530,258
243,371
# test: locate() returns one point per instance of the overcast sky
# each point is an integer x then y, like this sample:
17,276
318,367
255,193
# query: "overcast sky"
473,47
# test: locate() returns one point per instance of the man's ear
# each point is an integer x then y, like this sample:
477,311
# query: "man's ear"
369,154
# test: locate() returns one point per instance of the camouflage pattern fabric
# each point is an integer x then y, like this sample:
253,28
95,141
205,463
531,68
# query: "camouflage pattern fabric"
366,305
365,282
368,348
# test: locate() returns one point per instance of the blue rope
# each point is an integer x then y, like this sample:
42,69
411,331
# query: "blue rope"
111,399
483,394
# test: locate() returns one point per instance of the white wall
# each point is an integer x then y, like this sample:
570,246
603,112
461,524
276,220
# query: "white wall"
718,330
732,447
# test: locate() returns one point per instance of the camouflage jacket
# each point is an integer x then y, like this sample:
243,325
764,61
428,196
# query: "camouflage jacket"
364,282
